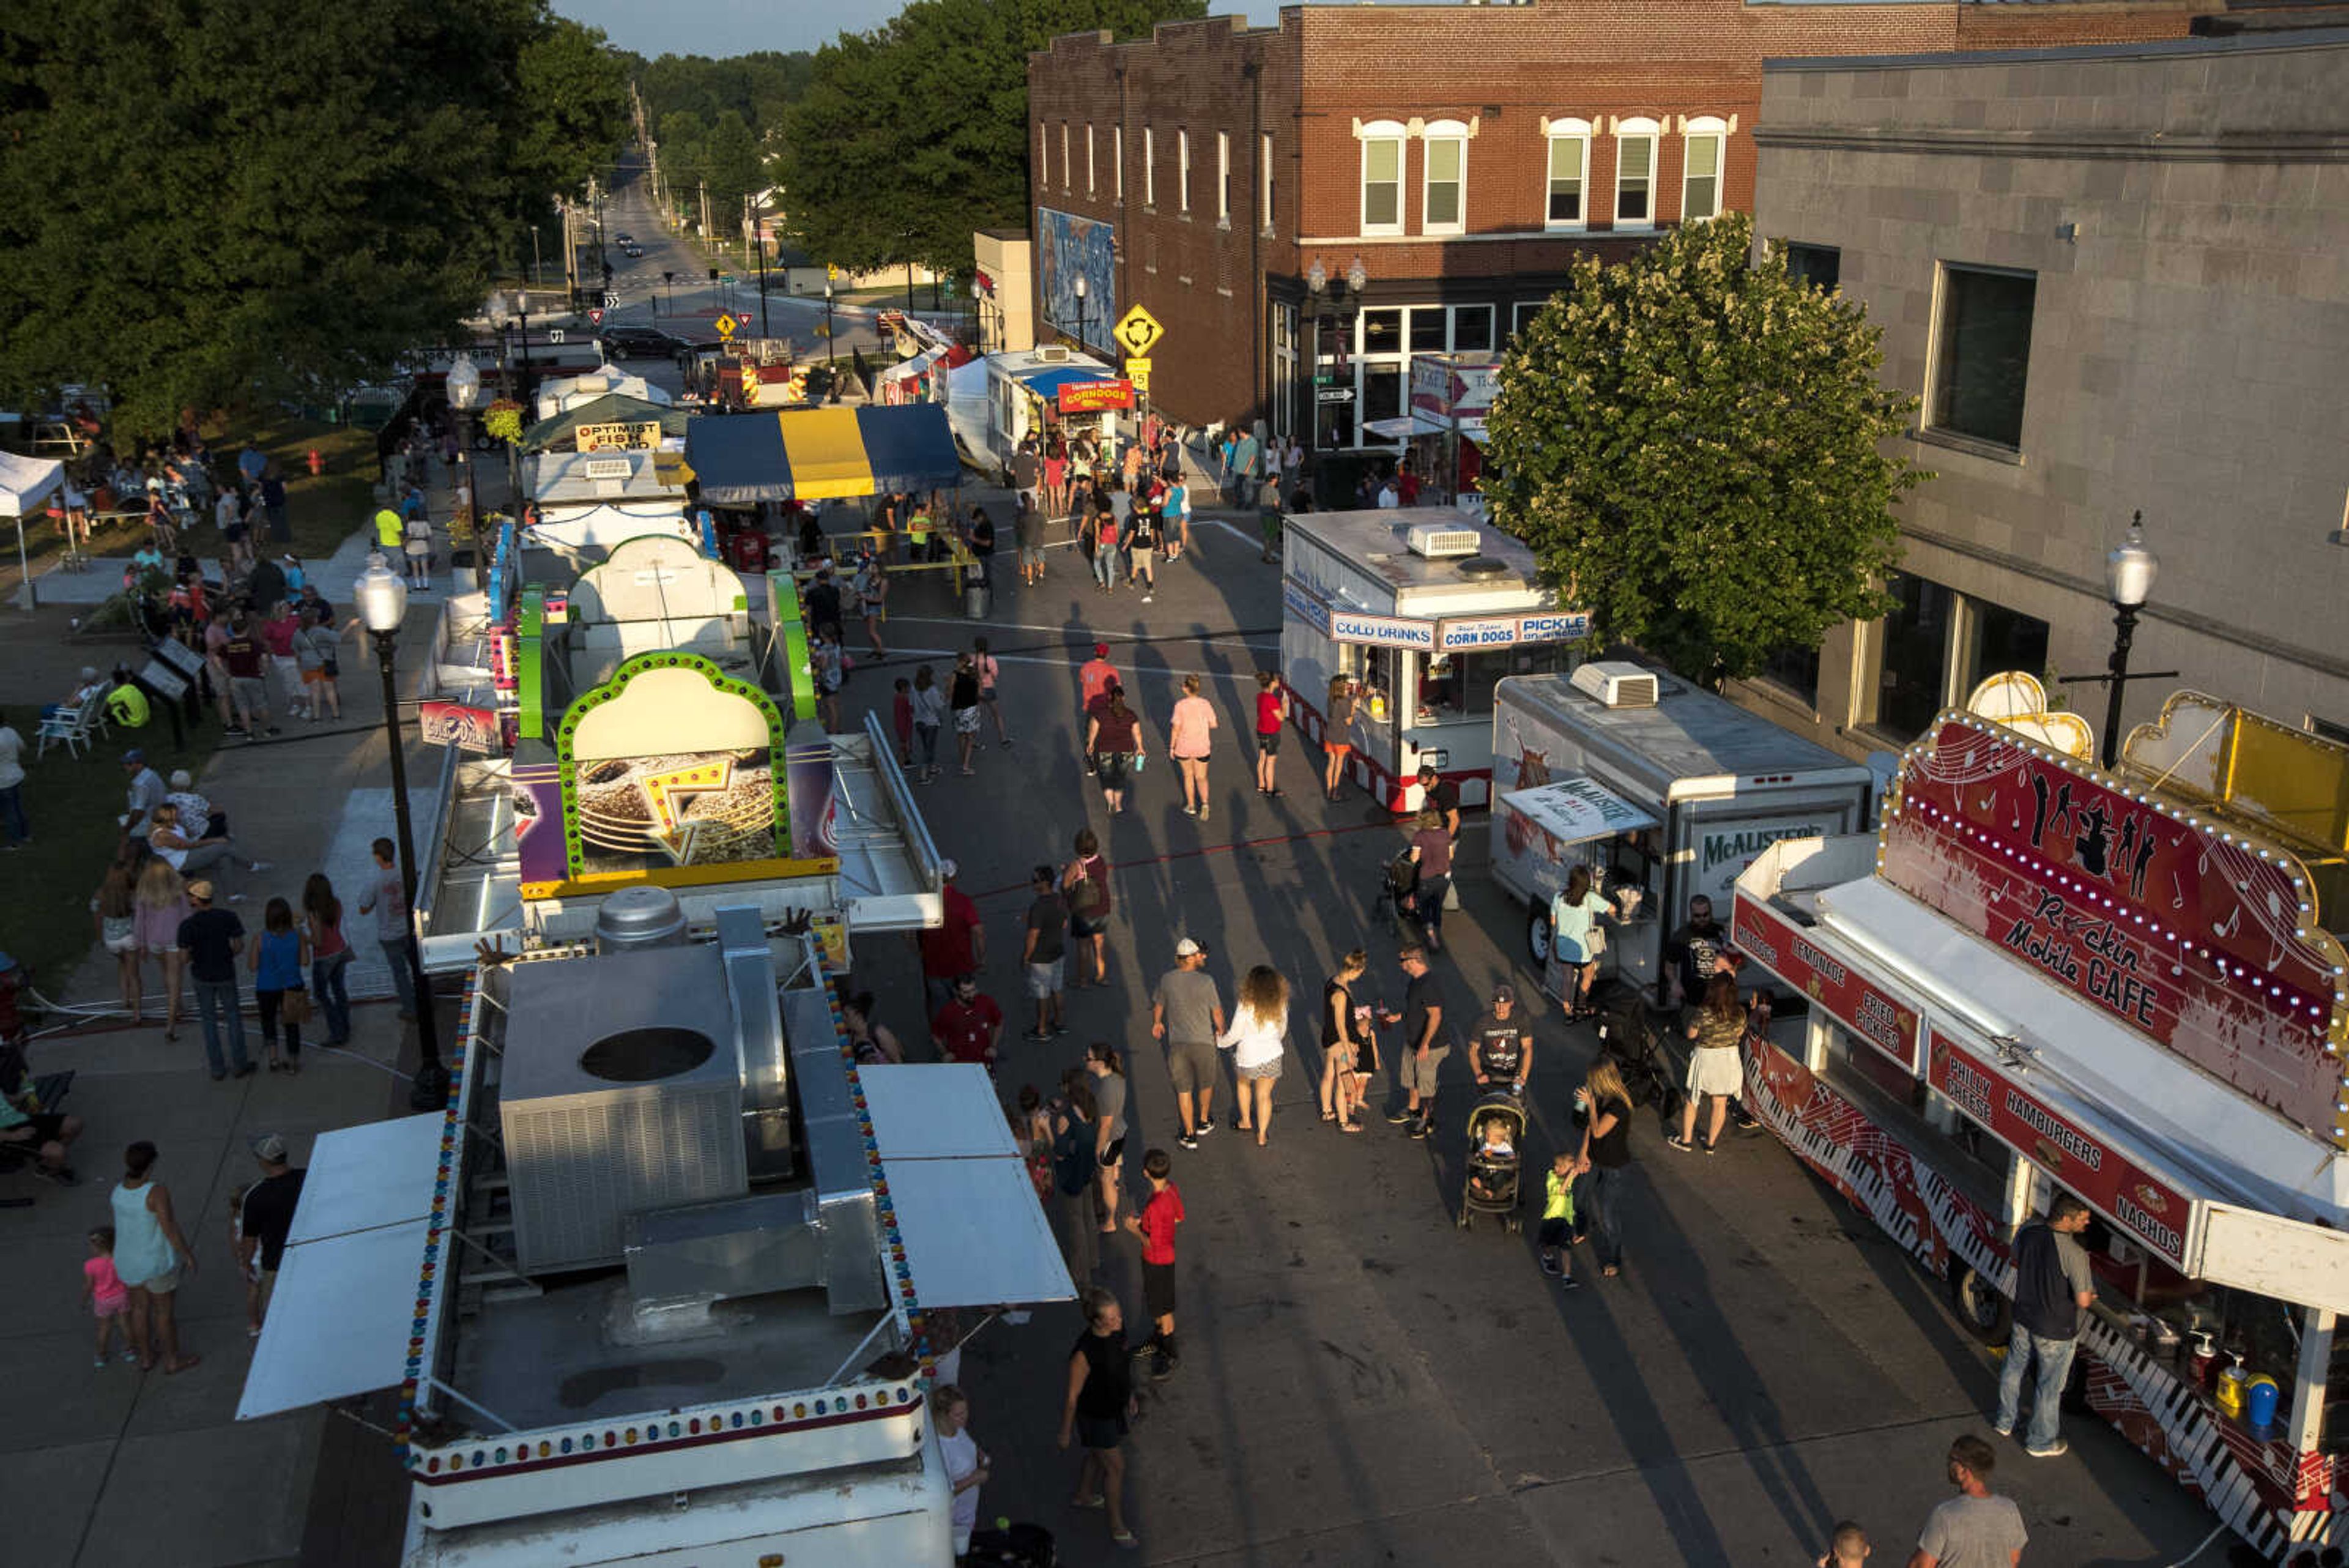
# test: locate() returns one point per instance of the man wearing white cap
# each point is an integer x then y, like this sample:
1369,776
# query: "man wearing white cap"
1187,1014
268,1217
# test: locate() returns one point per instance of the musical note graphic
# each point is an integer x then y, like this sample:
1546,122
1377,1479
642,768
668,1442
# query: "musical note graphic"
2176,892
2233,920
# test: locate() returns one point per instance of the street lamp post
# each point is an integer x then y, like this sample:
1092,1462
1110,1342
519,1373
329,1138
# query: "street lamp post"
382,601
829,357
522,308
1324,304
2129,572
464,396
1080,312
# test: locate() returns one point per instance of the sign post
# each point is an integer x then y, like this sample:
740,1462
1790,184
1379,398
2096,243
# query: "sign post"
1137,332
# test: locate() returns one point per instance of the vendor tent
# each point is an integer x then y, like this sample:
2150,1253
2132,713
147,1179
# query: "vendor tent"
612,409
820,454
24,483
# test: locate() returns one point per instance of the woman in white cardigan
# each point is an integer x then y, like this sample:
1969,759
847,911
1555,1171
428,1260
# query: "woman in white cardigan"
1257,1039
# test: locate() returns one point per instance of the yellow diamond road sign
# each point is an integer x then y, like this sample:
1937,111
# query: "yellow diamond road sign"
725,325
1137,330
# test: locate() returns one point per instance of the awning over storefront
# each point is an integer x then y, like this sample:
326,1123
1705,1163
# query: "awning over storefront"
820,454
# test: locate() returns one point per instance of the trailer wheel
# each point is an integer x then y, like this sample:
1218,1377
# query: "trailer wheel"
1537,940
1984,1313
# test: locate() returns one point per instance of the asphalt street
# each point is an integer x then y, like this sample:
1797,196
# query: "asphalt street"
1362,1382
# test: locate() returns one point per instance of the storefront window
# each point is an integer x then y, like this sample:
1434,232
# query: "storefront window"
1382,392
1374,670
1383,332
1427,329
1912,676
1472,329
2004,641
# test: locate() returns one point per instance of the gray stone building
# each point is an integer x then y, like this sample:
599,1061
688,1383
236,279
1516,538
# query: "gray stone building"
2117,277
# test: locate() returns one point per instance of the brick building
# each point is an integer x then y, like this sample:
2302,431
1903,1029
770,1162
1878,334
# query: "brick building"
1453,158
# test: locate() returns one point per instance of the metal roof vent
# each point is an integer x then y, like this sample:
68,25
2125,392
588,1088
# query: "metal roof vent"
1483,566
640,916
1434,540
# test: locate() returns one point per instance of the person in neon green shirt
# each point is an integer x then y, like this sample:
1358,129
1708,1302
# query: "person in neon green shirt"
388,529
1557,1221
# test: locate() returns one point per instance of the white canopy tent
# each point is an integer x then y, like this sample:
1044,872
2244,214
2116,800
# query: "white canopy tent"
557,396
24,483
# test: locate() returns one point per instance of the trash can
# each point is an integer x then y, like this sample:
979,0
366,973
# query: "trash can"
977,599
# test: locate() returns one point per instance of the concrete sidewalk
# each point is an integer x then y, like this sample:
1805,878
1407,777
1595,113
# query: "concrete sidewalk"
110,1465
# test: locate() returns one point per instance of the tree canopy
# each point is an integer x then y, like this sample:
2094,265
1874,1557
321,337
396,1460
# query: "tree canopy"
759,85
1691,441
213,204
911,137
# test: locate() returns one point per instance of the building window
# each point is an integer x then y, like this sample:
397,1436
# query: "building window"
1043,156
1982,351
1068,171
1443,201
1635,173
1284,368
1912,682
1149,167
1523,311
1264,178
1820,266
1703,143
1383,178
2326,730
1570,173
1796,672
1472,329
1089,158
1222,177
1183,171
1999,639
1117,158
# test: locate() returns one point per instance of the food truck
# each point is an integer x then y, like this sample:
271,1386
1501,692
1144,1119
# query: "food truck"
2037,976
1049,389
1424,610
1664,791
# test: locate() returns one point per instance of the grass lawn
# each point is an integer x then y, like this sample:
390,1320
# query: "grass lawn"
72,803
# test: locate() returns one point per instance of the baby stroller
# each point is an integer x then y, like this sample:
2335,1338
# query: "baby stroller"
1398,882
1627,1033
1493,1185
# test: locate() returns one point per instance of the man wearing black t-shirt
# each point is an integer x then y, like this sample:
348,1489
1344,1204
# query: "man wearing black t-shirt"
1500,1048
1425,1043
268,1215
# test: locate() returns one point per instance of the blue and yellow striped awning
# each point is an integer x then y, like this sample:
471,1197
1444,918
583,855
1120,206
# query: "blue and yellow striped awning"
820,454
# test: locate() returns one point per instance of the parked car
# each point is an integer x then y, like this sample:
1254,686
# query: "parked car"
624,237
648,342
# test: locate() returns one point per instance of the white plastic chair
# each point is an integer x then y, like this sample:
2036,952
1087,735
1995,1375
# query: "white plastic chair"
78,728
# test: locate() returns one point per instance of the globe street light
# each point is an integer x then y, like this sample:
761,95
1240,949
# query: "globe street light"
382,600
2129,572
1080,311
464,387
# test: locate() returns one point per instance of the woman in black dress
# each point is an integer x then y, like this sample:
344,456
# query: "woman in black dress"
1342,1048
1095,1411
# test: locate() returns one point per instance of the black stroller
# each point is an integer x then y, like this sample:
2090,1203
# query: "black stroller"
1630,1034
1494,1185
1397,884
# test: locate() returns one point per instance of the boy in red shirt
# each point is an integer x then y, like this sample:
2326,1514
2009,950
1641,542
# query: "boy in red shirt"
1155,1225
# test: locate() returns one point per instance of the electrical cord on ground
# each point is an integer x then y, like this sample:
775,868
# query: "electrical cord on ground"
2217,1531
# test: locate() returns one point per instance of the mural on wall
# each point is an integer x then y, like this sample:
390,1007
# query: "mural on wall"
1071,247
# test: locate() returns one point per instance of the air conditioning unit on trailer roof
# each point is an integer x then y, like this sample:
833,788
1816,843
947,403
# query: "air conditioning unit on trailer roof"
1055,355
1434,540
1617,685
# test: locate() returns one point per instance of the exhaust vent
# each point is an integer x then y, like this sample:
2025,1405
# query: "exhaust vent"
1618,685
1436,540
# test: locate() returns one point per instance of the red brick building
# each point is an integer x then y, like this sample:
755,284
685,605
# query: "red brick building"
1461,155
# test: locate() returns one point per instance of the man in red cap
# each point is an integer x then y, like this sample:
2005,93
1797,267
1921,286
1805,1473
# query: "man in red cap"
1097,675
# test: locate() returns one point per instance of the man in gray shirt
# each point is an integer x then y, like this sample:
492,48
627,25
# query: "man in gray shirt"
1977,1528
146,793
1186,1013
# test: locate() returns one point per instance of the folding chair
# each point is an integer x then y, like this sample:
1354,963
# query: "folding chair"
78,729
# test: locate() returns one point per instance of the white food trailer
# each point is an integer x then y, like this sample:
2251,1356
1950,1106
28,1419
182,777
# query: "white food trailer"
1048,388
2039,976
1426,610
1664,791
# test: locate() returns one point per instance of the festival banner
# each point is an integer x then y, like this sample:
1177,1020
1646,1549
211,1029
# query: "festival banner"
2187,931
1852,1000
1095,397
455,724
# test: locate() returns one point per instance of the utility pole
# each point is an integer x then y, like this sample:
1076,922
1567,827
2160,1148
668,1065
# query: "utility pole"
705,211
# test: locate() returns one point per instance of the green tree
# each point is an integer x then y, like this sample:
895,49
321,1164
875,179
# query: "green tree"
573,94
910,138
1691,442
213,204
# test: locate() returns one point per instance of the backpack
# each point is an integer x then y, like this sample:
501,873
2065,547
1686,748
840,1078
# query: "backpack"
1090,898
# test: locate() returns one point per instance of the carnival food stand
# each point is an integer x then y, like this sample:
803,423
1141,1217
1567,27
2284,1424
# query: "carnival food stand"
1046,390
2128,986
1425,610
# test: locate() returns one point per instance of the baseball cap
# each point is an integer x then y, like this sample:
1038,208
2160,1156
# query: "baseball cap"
1505,993
1186,947
199,891
270,1147
134,755
1101,650
946,868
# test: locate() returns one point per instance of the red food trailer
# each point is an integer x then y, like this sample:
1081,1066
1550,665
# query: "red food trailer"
2040,976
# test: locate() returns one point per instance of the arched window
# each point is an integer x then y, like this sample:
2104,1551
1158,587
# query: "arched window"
1635,173
1706,142
1382,142
1565,193
1443,197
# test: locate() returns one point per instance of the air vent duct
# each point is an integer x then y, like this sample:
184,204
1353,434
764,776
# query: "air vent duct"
1618,685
